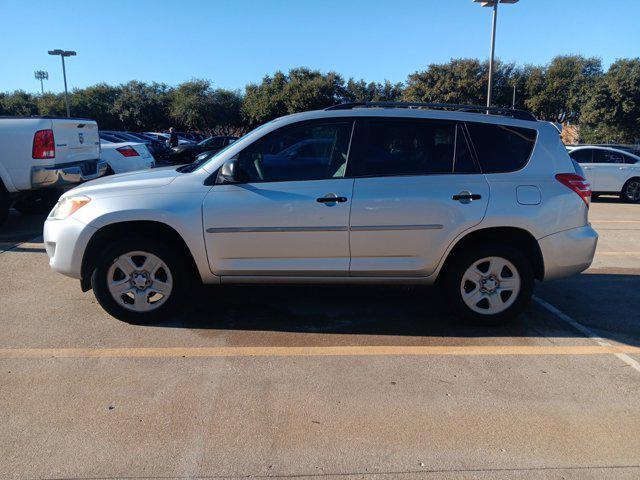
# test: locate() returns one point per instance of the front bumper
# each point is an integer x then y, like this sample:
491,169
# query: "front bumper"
65,242
67,173
568,252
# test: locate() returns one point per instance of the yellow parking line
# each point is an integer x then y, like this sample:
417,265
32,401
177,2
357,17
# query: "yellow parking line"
619,254
169,352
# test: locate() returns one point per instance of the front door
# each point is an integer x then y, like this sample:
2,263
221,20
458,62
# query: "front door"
416,187
609,171
291,216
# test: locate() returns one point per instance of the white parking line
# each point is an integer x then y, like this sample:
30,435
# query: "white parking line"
587,333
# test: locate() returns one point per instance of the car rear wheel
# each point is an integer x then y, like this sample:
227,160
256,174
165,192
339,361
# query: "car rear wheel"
490,285
141,281
5,203
631,191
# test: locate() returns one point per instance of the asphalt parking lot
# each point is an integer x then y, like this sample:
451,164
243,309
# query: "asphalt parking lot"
329,382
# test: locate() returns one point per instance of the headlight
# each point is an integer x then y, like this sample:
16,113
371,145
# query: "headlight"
68,206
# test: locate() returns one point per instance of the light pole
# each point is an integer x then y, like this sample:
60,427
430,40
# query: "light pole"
41,75
64,53
494,5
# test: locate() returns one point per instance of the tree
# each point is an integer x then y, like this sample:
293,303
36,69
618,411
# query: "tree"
361,91
226,114
19,103
139,106
300,90
191,104
52,104
612,111
558,91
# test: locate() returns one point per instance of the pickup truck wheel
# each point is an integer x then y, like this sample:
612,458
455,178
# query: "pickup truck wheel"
141,280
631,191
5,204
489,285
38,202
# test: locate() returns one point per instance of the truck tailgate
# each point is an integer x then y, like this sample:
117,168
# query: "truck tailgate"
76,140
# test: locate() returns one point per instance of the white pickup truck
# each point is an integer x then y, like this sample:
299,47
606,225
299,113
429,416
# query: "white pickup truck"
39,156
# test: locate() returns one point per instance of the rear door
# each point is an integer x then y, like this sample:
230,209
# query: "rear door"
416,187
609,170
76,140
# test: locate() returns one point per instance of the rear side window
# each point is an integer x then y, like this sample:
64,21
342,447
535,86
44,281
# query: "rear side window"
607,156
581,156
501,148
387,147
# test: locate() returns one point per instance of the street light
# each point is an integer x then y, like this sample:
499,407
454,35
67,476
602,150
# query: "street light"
41,75
64,53
494,5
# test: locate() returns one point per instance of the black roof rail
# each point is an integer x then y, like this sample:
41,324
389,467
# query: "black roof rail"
507,112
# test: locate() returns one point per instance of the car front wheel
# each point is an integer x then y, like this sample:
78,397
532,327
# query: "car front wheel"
140,281
490,285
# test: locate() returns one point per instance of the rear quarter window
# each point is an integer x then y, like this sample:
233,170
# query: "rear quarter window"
501,148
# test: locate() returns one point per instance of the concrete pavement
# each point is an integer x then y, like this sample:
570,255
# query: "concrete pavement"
535,399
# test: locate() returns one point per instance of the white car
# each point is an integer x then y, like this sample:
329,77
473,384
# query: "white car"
610,170
125,156
383,193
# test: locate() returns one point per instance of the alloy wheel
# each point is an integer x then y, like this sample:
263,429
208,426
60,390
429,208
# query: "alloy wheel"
139,281
490,285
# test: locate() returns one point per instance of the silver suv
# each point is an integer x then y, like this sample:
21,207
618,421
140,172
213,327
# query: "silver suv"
481,201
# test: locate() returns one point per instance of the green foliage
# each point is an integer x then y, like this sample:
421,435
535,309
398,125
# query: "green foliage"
572,88
612,111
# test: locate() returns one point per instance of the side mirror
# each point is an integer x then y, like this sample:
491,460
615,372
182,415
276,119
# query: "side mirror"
232,172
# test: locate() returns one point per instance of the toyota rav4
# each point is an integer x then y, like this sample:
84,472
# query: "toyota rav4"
481,201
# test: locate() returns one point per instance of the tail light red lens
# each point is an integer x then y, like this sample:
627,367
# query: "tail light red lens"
44,145
128,151
576,183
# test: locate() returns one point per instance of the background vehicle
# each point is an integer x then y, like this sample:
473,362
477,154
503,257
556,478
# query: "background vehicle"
187,153
41,155
158,148
155,147
482,204
124,157
165,137
610,170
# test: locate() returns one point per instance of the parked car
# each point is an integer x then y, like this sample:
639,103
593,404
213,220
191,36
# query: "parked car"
41,155
165,137
155,147
186,153
610,170
407,194
123,157
159,148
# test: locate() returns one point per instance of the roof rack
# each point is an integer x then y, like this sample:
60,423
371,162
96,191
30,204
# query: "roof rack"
507,112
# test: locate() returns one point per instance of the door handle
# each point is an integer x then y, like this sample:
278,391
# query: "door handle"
331,198
466,197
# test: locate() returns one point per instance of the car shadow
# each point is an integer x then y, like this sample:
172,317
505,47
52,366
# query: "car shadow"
415,311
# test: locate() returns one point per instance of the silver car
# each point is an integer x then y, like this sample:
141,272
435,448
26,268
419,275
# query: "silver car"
483,204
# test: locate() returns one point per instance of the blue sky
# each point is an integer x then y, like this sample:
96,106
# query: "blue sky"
236,42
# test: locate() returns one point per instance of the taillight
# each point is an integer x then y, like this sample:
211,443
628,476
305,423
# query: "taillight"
576,183
43,145
128,151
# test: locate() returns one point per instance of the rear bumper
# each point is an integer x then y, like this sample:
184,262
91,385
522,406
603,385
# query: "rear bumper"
568,252
67,173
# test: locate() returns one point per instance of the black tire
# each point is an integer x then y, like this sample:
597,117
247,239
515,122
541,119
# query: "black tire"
463,260
38,202
631,191
169,254
5,203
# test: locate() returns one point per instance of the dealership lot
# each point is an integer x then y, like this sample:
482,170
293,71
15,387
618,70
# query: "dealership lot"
337,382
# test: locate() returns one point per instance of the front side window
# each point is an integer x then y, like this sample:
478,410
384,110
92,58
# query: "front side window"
312,151
501,148
386,147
